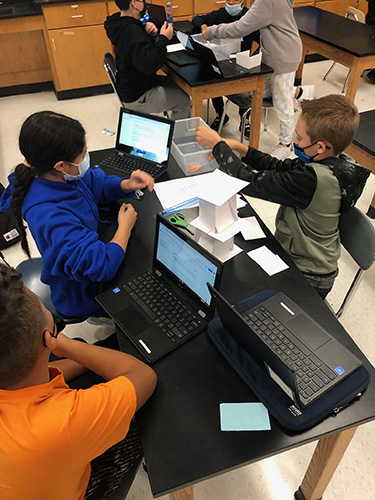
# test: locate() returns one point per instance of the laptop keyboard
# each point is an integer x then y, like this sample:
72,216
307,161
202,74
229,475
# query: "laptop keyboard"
163,308
127,165
312,375
229,69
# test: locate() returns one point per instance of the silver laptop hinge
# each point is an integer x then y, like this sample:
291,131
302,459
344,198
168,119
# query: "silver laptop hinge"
201,313
158,273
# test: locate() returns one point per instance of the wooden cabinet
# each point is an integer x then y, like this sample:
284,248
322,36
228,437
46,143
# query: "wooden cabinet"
112,8
76,43
335,6
304,3
78,56
73,15
182,9
204,6
23,55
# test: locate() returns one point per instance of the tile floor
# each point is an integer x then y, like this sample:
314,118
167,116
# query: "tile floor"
276,478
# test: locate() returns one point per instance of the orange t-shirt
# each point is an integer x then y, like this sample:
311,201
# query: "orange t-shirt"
49,433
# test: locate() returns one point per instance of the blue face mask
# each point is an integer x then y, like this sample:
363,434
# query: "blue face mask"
233,10
83,167
303,156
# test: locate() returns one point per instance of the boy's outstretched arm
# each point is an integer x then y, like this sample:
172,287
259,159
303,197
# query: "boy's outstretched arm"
107,363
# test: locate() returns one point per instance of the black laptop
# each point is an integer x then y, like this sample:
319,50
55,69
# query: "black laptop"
227,68
167,305
143,142
187,55
299,355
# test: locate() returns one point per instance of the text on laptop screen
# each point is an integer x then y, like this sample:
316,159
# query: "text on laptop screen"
144,137
185,262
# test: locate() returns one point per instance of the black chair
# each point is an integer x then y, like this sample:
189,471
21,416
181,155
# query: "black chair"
110,67
357,236
125,485
31,270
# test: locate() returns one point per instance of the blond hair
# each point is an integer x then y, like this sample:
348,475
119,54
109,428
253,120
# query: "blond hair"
332,118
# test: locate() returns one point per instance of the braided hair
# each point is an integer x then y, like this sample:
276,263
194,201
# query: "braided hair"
45,139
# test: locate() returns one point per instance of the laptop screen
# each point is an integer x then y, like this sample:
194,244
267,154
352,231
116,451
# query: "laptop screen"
144,136
185,262
185,40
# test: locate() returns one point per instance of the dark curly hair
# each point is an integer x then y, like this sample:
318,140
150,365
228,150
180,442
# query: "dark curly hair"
22,322
45,139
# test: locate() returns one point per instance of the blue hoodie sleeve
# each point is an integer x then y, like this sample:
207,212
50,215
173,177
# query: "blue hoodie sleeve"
105,188
69,248
7,194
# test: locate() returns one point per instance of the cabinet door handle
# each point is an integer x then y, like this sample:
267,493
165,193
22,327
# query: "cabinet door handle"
221,1
78,15
174,6
53,44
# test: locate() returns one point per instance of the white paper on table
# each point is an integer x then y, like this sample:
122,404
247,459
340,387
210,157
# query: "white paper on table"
267,260
251,229
176,191
223,235
175,47
217,187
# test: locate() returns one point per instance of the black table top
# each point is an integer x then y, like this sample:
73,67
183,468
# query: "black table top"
179,425
344,34
199,74
364,137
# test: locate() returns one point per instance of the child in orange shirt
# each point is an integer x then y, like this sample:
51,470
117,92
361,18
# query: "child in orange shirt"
50,433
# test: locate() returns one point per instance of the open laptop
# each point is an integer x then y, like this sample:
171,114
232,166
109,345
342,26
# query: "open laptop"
143,142
298,354
227,68
186,56
169,304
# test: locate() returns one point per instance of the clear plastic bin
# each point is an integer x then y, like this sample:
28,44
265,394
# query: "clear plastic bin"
187,152
222,48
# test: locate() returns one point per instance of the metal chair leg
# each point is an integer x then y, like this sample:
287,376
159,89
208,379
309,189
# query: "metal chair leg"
329,71
345,83
265,119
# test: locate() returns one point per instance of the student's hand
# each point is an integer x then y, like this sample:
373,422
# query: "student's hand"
138,180
58,345
167,30
204,30
126,217
203,27
151,29
207,137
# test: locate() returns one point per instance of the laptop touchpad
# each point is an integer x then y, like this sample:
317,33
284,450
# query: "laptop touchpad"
132,320
308,332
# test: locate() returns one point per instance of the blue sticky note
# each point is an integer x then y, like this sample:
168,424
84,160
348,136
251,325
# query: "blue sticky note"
244,417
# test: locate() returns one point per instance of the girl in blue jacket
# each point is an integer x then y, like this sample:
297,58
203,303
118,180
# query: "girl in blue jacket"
59,197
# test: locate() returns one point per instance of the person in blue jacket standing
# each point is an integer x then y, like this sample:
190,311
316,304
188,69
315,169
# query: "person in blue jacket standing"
60,198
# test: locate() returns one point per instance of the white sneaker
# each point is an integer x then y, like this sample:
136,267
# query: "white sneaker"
281,151
102,321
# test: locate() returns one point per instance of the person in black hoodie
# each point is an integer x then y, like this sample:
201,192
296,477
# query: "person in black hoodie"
139,55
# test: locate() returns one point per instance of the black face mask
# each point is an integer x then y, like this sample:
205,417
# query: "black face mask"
144,10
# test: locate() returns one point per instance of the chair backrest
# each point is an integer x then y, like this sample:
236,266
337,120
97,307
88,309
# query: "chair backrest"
357,236
110,67
355,15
